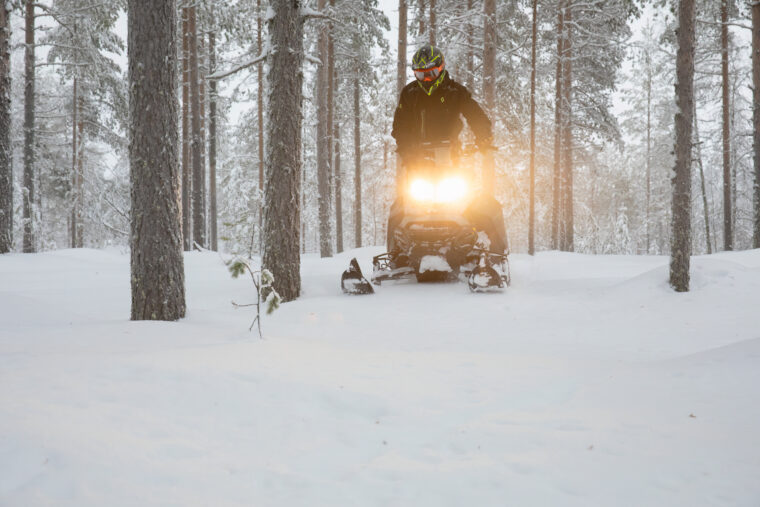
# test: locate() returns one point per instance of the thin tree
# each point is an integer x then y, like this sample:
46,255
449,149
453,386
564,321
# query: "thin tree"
331,129
648,84
323,142
157,268
756,117
432,22
703,187
260,117
489,85
357,158
567,231
187,180
401,73
558,127
196,142
28,195
728,239
681,239
532,212
6,165
212,142
283,162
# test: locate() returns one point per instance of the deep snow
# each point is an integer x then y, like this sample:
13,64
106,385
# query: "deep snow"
589,382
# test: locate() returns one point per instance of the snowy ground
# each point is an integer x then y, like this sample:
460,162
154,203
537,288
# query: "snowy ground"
588,383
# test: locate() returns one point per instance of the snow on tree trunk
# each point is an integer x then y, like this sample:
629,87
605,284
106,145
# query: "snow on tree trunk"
157,267
728,241
756,117
283,161
331,131
681,239
6,166
323,143
212,143
196,143
79,176
357,165
28,195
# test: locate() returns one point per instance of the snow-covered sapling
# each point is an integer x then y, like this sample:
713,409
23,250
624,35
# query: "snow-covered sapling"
265,293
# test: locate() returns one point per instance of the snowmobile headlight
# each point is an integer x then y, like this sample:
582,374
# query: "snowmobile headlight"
422,190
451,189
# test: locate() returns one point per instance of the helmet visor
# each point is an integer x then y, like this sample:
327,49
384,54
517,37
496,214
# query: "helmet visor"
427,75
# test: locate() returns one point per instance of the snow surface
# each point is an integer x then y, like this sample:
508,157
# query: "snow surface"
588,382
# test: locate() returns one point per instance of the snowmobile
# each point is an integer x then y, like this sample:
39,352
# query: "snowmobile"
434,240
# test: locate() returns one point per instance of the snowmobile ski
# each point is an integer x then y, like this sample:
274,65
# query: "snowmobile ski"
353,282
485,278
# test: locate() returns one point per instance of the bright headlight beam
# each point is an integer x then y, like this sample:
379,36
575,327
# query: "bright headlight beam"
422,190
446,191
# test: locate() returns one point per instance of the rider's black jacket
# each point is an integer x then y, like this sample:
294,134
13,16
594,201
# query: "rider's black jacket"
435,118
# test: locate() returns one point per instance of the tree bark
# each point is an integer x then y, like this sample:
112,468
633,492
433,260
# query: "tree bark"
532,212
187,181
558,127
470,58
489,88
260,119
323,143
357,165
213,219
756,118
728,237
74,153
705,209
338,188
681,237
157,267
196,143
332,129
401,75
28,194
282,204
432,22
79,174
567,232
6,161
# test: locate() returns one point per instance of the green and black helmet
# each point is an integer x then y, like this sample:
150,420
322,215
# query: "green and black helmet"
428,66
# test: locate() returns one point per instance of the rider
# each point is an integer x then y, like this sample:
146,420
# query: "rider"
429,112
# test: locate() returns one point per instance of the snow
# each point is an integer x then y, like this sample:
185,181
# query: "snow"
588,382
434,263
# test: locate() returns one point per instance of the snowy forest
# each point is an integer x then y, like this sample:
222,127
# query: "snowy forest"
581,97
563,305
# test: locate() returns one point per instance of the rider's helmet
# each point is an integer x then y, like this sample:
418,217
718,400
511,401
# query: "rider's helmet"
428,66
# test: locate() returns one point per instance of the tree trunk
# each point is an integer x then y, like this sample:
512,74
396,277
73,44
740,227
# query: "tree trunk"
558,124
74,153
6,164
157,267
260,120
332,128
28,194
187,181
212,142
282,221
532,213
421,18
470,58
649,146
357,165
681,239
401,75
79,203
728,237
567,233
705,209
489,89
196,143
323,143
432,22
756,118
338,188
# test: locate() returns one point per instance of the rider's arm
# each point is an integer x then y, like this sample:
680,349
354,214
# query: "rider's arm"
402,124
476,117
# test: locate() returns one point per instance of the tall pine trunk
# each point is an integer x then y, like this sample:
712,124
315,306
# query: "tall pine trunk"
196,142
331,131
157,267
728,237
213,219
649,147
558,124
74,153
187,181
532,212
282,204
401,75
756,118
489,85
470,56
357,165
6,164
28,195
79,174
432,22
260,119
567,231
323,143
680,254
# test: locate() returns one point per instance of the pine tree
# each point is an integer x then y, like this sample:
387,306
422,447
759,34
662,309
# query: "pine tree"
157,268
29,194
6,158
756,119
